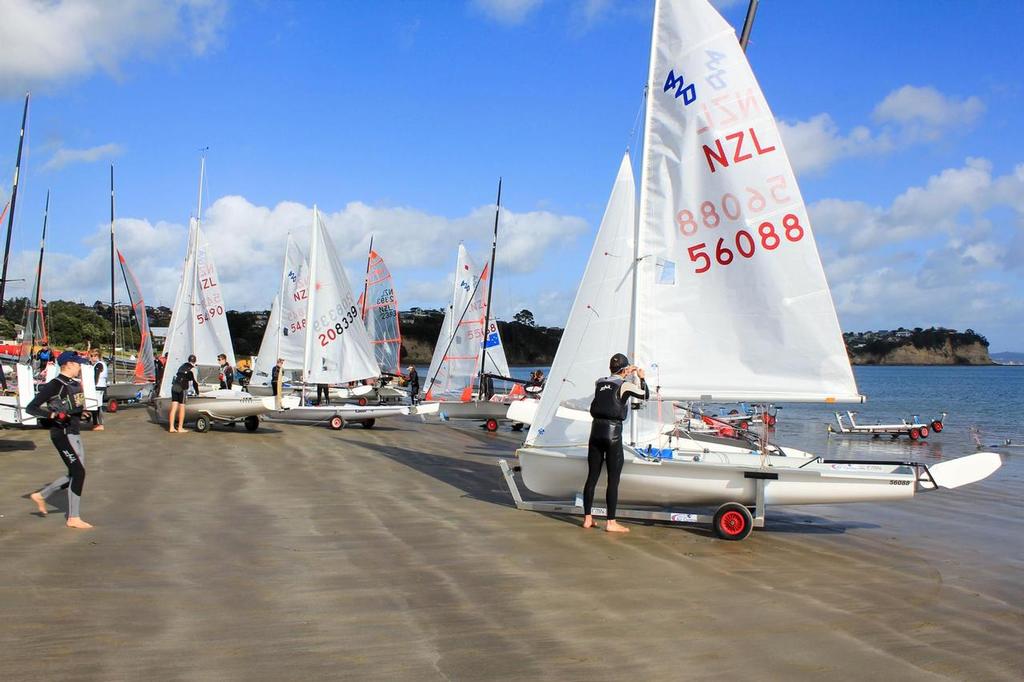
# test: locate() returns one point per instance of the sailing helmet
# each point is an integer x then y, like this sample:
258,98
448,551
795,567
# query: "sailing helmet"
618,363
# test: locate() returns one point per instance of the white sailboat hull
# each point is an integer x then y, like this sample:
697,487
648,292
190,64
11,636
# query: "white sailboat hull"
313,414
220,405
719,477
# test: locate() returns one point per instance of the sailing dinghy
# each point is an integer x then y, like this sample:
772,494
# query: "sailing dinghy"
379,306
335,346
720,213
464,352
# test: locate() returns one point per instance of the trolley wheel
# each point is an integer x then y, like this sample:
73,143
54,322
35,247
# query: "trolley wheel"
362,401
336,423
733,521
252,422
202,424
937,426
368,423
924,432
112,405
769,419
744,425
492,424
915,433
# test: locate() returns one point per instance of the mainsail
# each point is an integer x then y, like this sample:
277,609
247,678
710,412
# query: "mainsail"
337,348
145,367
285,335
380,313
199,324
731,298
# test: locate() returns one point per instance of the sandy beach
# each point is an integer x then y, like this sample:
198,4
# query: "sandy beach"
300,553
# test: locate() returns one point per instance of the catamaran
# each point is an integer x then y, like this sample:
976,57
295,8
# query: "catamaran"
335,345
199,327
716,287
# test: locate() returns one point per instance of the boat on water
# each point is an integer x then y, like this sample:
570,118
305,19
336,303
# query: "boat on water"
199,327
720,212
335,345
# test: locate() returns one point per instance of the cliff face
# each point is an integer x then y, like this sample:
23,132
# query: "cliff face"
946,354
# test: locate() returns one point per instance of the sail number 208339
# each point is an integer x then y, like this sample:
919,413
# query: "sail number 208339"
342,319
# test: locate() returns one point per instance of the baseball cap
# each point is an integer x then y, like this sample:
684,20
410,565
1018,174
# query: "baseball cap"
71,356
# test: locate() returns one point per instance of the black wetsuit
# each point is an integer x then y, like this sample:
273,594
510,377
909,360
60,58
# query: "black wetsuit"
414,385
325,391
227,375
182,378
609,409
275,373
63,397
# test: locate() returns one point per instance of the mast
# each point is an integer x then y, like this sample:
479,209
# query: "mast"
39,278
311,293
490,289
193,248
366,280
748,24
10,216
280,296
113,304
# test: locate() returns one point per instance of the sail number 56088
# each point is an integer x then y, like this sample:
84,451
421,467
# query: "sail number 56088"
745,243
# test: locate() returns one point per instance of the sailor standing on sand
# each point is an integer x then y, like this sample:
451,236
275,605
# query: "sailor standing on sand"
182,378
609,409
60,403
414,384
99,369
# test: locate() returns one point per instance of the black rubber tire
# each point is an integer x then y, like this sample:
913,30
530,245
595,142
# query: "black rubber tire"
914,434
733,521
336,423
491,424
202,424
924,432
362,401
744,425
112,406
368,424
937,426
252,423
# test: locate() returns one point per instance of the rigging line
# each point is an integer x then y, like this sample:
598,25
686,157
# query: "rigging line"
635,131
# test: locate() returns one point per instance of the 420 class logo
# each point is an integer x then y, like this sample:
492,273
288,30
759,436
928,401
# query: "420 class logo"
677,83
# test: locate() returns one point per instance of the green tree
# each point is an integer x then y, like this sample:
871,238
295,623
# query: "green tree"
524,317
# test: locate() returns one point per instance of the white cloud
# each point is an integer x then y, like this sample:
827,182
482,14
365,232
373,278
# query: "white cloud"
906,116
509,12
249,241
925,113
43,43
945,253
64,156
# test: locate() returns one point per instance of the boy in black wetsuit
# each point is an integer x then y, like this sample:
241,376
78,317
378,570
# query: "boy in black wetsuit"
227,372
414,384
179,386
60,403
609,409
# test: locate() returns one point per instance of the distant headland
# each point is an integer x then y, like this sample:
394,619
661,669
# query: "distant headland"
933,346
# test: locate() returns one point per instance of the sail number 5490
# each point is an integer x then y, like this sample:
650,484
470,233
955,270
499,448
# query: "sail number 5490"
746,244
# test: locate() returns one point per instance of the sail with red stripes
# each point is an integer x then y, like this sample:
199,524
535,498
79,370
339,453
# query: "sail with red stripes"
380,313
145,367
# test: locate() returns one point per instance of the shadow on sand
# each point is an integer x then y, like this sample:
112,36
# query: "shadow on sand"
16,445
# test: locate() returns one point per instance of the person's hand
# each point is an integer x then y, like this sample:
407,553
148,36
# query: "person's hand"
639,372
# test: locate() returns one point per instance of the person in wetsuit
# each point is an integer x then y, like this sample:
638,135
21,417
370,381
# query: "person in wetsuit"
609,409
275,376
59,403
227,372
414,384
182,378
44,356
99,369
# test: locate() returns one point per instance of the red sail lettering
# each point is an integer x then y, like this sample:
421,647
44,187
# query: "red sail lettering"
757,145
720,157
736,156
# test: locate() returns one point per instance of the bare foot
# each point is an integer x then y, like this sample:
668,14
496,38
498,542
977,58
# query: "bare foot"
588,521
615,527
98,428
75,522
40,502
182,431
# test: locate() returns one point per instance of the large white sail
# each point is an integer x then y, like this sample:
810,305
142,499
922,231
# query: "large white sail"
456,360
732,302
285,336
598,325
337,347
199,324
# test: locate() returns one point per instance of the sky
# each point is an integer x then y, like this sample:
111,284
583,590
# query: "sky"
903,122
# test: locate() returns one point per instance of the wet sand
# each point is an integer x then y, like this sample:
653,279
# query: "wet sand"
300,553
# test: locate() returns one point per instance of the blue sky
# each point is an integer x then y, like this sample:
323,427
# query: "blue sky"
902,119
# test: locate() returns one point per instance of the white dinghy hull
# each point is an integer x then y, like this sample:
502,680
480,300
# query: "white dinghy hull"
330,414
718,478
